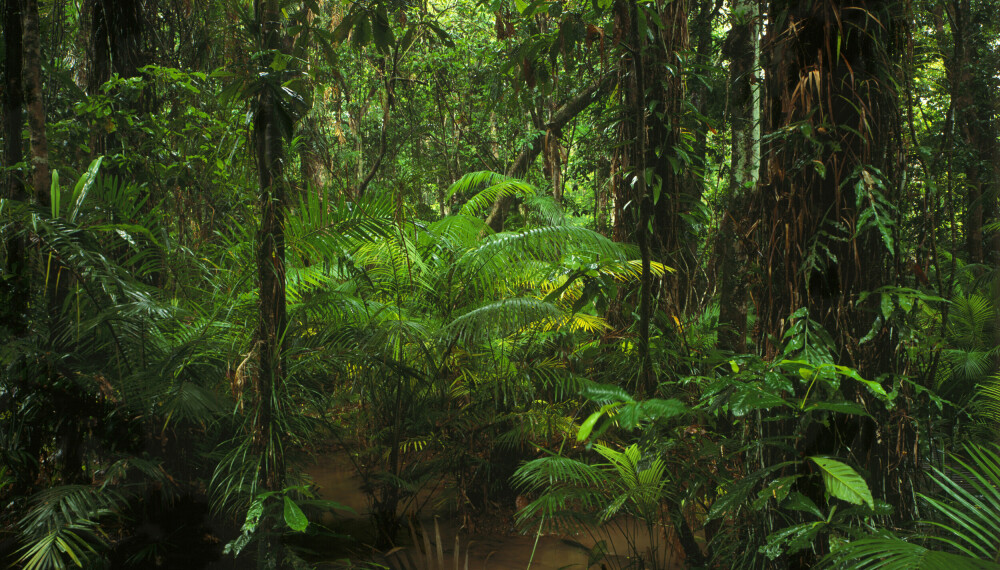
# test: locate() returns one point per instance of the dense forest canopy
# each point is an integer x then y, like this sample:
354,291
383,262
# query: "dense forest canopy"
719,274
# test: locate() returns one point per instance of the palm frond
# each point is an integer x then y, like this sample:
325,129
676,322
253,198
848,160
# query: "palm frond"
970,505
67,505
57,548
898,554
488,187
555,469
988,399
969,321
500,319
323,231
968,522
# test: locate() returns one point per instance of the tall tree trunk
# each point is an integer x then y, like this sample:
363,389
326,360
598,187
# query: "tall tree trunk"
702,23
841,104
117,45
743,50
833,152
41,177
668,173
15,289
973,90
673,236
272,318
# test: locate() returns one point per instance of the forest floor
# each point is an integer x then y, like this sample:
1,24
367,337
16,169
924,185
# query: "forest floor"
496,545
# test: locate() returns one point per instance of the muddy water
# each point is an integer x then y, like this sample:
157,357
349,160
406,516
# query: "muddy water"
337,481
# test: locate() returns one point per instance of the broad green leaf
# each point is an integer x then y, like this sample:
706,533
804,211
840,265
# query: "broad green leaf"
591,421
852,373
382,30
887,305
798,502
843,482
294,517
753,398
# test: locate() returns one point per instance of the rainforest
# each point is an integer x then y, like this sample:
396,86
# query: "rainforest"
428,284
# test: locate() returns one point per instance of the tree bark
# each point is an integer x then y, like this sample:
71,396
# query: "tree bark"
743,50
272,324
974,99
41,177
833,149
15,290
668,172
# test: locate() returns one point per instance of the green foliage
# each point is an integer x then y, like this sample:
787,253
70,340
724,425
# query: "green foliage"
842,482
427,346
965,531
61,528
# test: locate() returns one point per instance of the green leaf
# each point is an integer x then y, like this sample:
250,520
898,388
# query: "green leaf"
875,387
887,305
839,407
294,517
798,502
362,31
55,194
588,425
83,186
843,482
791,539
751,398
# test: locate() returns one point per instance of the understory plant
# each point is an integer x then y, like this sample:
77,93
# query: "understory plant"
963,528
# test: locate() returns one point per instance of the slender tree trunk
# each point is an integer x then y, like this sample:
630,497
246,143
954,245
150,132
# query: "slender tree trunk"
702,24
14,291
41,177
743,50
637,107
973,90
272,318
602,176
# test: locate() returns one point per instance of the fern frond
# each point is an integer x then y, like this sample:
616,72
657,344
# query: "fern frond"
67,505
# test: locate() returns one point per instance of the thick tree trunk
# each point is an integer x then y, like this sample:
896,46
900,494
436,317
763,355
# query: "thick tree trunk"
41,177
116,45
833,152
668,173
846,100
